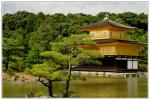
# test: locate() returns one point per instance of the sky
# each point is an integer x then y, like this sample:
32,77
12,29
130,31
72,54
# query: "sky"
88,7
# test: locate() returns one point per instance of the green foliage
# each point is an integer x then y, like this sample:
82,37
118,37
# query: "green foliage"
70,46
89,54
12,54
141,36
144,58
26,34
16,63
91,62
41,70
33,55
54,55
48,70
11,72
143,67
57,61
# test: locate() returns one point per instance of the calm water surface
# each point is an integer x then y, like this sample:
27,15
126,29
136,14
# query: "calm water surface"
93,87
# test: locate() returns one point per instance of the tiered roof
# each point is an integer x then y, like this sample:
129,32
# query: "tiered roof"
106,22
99,41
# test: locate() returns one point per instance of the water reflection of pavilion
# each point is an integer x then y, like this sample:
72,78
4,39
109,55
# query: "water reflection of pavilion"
132,86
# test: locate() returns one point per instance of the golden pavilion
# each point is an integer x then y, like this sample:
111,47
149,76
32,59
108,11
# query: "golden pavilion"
120,53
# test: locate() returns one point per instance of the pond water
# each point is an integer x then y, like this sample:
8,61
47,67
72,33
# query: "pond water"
93,87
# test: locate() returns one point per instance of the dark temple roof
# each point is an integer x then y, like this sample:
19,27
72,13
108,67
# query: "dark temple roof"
104,23
99,41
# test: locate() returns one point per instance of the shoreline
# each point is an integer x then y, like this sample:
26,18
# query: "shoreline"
25,77
111,74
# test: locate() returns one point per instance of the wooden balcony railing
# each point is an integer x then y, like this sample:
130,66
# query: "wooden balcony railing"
110,35
120,36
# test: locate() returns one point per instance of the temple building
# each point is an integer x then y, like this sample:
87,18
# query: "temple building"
119,52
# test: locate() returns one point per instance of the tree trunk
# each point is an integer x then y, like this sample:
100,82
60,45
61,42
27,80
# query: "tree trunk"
66,91
48,84
50,88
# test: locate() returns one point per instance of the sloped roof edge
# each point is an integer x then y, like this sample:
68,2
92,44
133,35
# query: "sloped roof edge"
99,41
104,23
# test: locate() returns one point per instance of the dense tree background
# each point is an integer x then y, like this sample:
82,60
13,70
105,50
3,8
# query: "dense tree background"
26,34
